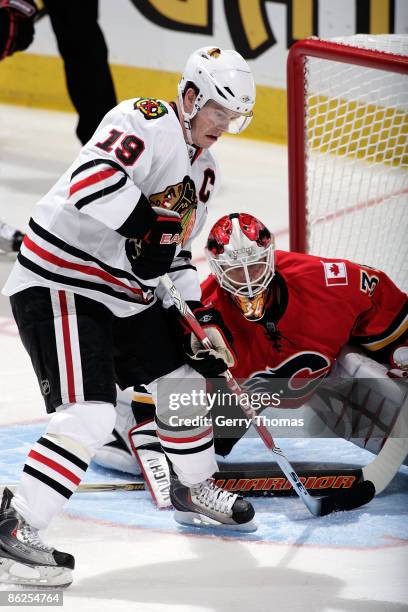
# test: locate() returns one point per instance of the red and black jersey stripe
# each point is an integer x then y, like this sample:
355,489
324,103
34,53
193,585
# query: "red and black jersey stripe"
55,466
90,175
184,440
53,262
76,282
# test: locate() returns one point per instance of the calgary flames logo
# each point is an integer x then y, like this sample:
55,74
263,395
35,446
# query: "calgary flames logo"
295,379
150,108
182,199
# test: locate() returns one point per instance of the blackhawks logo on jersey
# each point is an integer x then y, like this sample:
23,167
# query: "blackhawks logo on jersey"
181,198
150,108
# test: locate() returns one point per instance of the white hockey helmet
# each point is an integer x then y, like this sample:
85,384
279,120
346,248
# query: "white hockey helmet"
241,254
224,77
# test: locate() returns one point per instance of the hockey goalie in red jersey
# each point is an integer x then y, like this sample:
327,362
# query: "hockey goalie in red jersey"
288,317
295,312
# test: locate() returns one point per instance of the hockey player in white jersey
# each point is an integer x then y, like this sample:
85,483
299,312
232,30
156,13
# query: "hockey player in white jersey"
83,293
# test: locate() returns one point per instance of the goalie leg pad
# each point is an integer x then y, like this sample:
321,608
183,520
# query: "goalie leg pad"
152,460
360,403
117,454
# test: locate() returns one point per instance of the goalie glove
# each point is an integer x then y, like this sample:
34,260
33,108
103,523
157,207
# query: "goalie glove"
210,363
152,255
399,362
16,25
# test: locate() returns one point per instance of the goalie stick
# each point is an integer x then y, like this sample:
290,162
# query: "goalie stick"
318,506
264,480
254,480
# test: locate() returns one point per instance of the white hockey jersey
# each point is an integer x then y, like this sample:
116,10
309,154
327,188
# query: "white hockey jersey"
78,231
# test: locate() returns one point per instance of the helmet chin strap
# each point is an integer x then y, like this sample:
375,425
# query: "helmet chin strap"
188,130
186,121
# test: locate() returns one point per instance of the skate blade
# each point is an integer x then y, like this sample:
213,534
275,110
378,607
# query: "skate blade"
39,576
194,519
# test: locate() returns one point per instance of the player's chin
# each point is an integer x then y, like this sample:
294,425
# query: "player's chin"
210,139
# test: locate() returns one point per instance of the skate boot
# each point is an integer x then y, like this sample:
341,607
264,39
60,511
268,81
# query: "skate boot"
24,558
207,505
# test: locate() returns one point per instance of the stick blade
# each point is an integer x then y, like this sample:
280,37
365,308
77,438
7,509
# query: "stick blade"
350,499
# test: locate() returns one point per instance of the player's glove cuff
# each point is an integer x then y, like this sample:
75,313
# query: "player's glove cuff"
23,8
16,25
208,316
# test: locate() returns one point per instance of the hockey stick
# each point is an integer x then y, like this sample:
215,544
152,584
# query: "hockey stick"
318,506
253,480
98,487
382,469
264,480
259,481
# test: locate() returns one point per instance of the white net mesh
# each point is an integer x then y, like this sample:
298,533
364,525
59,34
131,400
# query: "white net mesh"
357,159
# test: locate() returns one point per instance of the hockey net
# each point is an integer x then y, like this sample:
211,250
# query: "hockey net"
348,150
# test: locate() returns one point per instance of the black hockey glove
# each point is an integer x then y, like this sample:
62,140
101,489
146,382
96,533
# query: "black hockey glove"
152,255
16,25
18,238
210,363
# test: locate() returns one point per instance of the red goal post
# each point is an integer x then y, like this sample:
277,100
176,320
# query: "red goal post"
348,150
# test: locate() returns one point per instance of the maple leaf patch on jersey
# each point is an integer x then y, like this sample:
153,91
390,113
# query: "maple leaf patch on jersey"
150,108
181,198
335,273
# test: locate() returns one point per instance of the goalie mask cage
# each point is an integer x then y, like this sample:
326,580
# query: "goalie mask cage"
348,150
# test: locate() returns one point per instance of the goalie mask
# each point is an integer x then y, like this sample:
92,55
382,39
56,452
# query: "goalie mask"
224,77
240,251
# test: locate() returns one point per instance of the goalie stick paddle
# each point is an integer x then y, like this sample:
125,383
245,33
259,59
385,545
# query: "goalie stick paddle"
265,479
318,506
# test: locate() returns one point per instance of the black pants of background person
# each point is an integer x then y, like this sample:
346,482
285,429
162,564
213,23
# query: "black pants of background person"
83,49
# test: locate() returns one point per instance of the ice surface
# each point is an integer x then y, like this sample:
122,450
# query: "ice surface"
130,555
